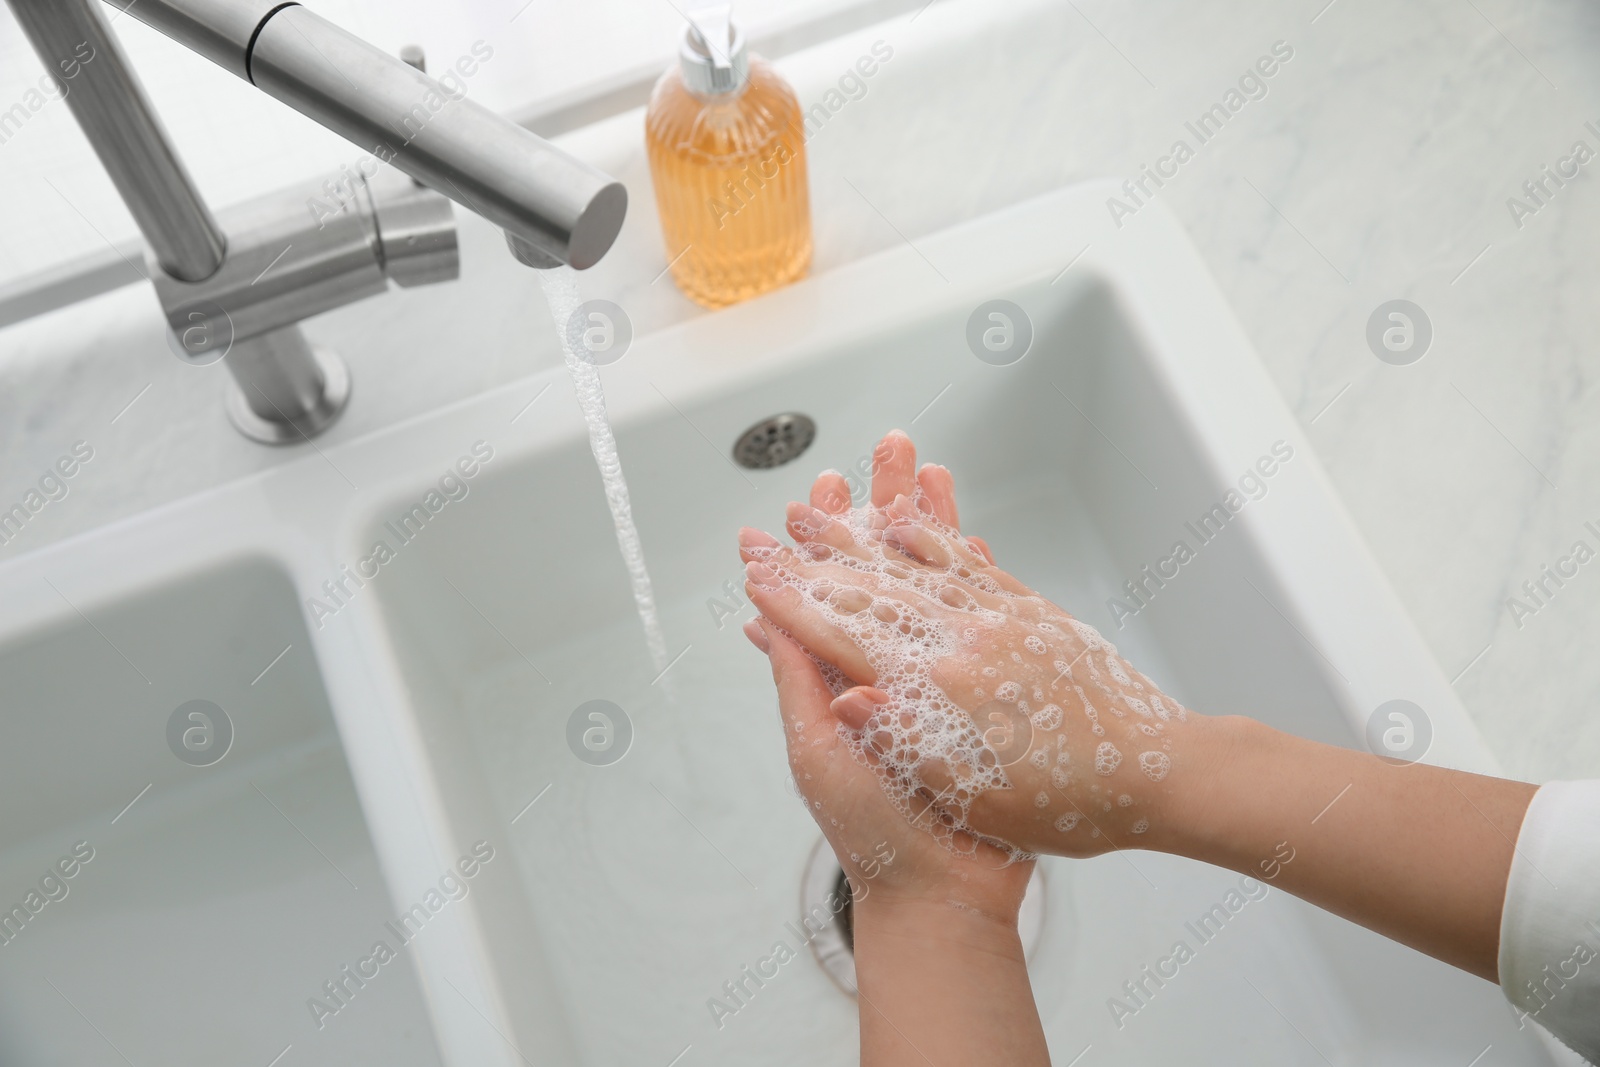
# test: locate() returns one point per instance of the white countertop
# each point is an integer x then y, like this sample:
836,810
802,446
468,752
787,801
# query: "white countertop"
1377,166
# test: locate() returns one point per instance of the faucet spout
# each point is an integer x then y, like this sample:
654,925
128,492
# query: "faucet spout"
563,208
553,208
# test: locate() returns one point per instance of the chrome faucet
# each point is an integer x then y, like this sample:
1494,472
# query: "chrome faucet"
236,290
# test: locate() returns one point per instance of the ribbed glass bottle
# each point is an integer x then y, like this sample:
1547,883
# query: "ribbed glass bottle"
730,179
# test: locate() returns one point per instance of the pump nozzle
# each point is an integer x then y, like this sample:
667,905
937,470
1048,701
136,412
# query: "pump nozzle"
713,23
713,56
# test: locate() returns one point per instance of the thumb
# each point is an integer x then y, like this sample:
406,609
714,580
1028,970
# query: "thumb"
803,695
854,707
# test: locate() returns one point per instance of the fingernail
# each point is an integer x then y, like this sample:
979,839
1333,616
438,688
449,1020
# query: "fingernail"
749,537
761,575
805,516
757,636
903,505
853,701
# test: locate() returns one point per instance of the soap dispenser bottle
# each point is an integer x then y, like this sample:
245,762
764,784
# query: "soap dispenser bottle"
727,157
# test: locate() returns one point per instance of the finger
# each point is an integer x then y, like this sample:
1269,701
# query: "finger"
894,463
758,637
918,542
983,549
904,511
803,695
813,526
846,588
939,493
854,707
961,555
831,493
756,544
788,608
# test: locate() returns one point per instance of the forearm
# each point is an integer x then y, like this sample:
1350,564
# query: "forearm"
1414,852
938,984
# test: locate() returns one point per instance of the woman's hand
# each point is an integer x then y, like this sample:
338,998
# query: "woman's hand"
987,712
888,859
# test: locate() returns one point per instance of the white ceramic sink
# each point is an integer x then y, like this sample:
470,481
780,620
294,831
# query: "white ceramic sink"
217,895
622,897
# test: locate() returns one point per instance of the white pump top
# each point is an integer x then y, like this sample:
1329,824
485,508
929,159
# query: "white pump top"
713,55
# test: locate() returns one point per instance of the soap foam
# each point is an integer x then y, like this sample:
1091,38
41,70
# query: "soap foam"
899,617
1106,758
1155,764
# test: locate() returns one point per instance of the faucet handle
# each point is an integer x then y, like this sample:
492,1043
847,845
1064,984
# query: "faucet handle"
416,232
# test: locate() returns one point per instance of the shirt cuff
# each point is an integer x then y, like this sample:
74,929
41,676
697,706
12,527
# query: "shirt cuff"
1550,925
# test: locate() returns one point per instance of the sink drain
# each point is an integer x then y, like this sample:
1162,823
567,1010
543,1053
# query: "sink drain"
775,441
825,891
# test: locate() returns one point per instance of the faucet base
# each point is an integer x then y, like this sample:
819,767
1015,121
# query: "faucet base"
315,411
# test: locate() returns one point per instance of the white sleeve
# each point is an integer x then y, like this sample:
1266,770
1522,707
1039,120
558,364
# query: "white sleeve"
1550,927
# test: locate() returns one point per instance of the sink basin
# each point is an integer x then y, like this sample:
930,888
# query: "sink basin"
435,709
647,882
211,893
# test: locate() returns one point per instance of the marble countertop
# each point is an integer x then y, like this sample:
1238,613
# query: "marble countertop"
1374,163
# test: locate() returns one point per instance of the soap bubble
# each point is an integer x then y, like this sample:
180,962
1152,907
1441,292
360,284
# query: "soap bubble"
1106,758
1155,764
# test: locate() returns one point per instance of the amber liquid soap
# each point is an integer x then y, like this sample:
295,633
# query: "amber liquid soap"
726,146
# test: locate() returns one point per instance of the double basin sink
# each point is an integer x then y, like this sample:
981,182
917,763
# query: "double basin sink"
327,731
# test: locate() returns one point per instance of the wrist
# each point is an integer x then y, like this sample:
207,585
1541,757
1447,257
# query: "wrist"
934,974
945,924
1207,789
982,884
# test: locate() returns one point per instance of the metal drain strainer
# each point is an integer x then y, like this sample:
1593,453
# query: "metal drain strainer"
824,884
774,441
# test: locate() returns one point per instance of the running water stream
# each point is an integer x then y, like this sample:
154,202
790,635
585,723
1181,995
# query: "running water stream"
560,286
